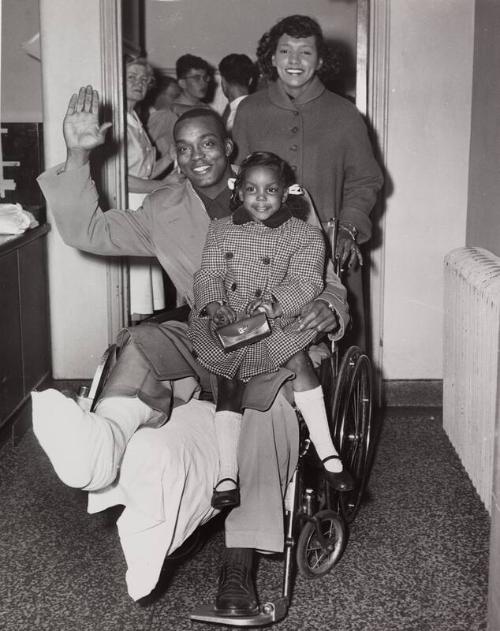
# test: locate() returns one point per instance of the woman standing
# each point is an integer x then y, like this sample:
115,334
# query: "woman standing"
146,277
320,134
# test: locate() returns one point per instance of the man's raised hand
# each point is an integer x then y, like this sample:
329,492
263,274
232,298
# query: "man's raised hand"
81,128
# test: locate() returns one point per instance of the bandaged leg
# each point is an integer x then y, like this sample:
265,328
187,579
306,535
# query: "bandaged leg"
86,448
312,407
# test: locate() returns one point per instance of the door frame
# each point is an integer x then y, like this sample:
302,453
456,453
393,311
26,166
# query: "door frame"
372,81
114,169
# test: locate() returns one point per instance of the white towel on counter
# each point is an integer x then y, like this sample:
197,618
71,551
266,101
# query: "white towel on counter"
15,220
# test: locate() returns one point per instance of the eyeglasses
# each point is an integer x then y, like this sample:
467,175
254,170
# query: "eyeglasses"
198,77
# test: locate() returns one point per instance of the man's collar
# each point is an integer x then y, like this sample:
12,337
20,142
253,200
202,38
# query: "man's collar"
235,102
229,173
242,216
219,207
279,97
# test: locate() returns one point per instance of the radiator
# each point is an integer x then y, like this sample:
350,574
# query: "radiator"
471,361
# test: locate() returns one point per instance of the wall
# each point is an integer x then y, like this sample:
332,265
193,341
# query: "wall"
21,74
219,27
483,223
430,80
483,220
78,282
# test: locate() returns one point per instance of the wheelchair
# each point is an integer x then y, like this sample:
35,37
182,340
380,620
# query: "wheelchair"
317,517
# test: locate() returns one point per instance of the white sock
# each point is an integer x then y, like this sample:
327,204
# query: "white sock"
227,432
86,448
312,407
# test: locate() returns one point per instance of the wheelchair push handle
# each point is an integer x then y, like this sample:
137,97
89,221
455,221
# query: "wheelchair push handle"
332,228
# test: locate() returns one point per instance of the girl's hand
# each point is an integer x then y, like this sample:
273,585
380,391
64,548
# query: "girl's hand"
220,314
270,307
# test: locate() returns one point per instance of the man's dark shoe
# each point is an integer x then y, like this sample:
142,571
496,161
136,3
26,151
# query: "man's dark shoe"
236,594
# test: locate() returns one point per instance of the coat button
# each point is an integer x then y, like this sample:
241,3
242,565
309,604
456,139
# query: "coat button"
266,260
234,286
228,255
294,130
294,167
294,148
258,293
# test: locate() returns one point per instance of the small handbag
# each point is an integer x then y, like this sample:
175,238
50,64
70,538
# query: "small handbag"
243,332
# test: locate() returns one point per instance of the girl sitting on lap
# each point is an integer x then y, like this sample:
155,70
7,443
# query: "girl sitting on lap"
264,258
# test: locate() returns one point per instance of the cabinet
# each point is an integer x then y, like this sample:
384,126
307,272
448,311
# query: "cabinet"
24,319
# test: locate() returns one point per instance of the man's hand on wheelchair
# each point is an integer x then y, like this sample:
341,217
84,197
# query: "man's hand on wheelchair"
347,250
220,314
318,315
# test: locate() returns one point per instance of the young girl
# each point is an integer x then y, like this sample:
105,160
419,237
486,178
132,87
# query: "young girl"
262,258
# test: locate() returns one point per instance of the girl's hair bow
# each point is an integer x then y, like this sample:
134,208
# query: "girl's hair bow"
294,189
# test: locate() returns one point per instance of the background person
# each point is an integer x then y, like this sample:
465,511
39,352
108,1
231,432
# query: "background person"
166,93
146,287
238,79
194,76
322,136
161,118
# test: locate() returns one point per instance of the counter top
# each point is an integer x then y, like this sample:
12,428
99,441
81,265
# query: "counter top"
10,242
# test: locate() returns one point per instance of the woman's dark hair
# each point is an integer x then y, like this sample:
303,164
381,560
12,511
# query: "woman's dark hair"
297,26
284,173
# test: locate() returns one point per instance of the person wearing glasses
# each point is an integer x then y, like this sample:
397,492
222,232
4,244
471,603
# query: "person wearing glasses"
194,76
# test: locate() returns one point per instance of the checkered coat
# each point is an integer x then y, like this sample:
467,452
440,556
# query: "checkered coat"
243,260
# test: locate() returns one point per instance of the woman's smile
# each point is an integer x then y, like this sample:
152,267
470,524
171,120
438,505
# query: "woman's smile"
296,61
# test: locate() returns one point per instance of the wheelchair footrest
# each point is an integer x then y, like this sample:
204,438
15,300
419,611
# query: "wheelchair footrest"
268,614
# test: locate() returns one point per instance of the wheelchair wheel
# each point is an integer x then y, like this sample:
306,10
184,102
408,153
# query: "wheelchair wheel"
353,416
317,554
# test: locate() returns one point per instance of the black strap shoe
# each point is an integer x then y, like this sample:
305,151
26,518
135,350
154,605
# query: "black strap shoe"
342,481
236,593
226,499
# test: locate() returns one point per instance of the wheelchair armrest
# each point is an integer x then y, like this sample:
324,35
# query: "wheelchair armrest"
179,313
